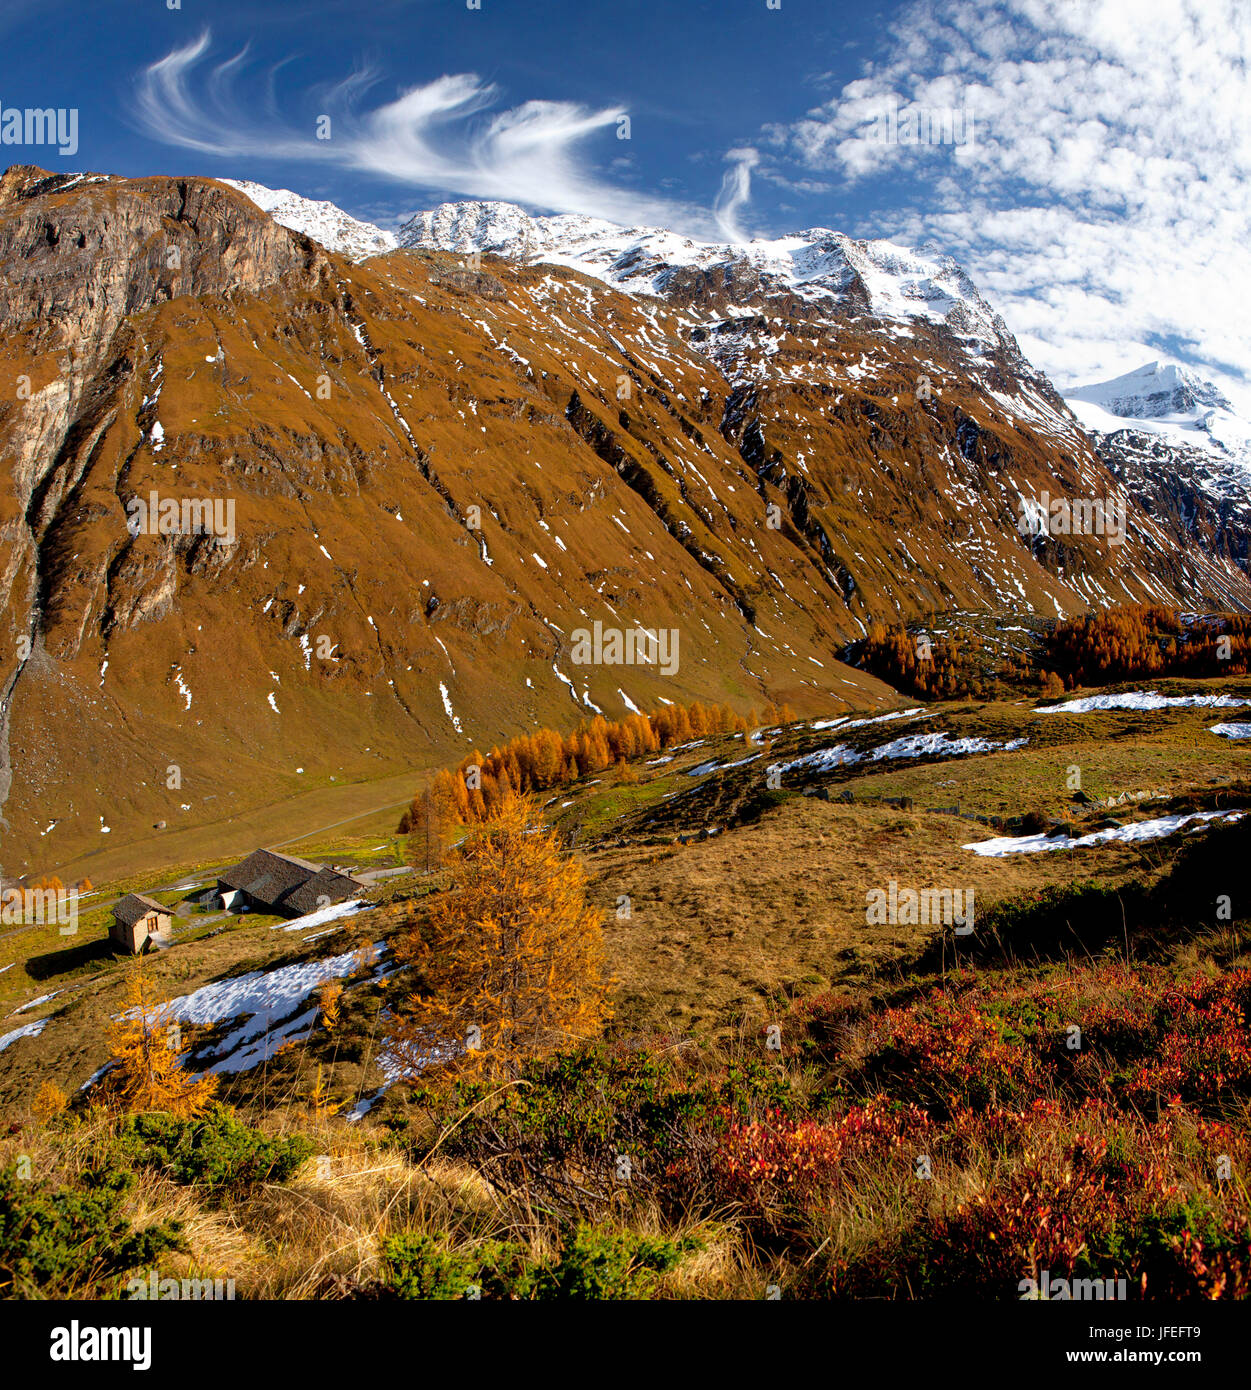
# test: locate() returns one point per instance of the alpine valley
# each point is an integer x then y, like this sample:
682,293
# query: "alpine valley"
449,451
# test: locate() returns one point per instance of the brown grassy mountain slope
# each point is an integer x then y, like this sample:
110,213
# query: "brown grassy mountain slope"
438,474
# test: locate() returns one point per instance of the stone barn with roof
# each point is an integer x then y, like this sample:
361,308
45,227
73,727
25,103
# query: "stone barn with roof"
139,923
267,881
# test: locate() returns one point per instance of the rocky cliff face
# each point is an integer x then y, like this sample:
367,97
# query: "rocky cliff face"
438,471
1201,506
83,254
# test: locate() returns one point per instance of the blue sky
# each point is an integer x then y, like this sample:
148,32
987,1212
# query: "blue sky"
1097,189
697,78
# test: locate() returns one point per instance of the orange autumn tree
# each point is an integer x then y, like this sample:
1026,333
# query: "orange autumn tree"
1132,641
510,958
939,668
545,759
149,1070
427,821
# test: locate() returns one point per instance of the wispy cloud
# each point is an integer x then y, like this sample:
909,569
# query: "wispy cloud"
1106,199
735,192
451,135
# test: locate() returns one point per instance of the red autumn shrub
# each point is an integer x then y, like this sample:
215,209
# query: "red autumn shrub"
1204,1053
950,1051
797,1162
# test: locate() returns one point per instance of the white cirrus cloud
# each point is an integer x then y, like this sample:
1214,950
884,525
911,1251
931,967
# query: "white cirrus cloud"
448,135
1104,201
735,192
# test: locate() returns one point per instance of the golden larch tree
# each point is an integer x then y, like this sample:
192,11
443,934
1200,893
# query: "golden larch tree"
510,958
427,822
149,1071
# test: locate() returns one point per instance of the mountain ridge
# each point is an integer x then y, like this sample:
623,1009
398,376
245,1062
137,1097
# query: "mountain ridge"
818,264
325,222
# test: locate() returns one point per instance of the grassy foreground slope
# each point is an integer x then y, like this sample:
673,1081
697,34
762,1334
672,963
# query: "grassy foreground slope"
788,1094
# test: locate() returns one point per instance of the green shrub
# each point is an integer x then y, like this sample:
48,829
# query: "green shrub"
64,1243
593,1264
761,800
215,1150
425,1267
610,1265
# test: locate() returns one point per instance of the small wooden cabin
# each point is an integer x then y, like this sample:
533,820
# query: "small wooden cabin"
137,921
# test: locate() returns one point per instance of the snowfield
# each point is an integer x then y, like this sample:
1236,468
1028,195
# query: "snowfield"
35,1003
715,766
1143,699
936,745
324,915
265,999
1126,834
1231,730
846,722
27,1030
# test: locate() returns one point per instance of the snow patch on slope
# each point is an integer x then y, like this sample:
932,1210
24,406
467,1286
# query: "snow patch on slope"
936,745
27,1030
1125,834
1142,699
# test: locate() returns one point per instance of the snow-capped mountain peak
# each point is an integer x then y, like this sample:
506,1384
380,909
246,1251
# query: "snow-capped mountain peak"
325,223
819,268
1164,399
503,229
1174,438
818,265
1153,392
